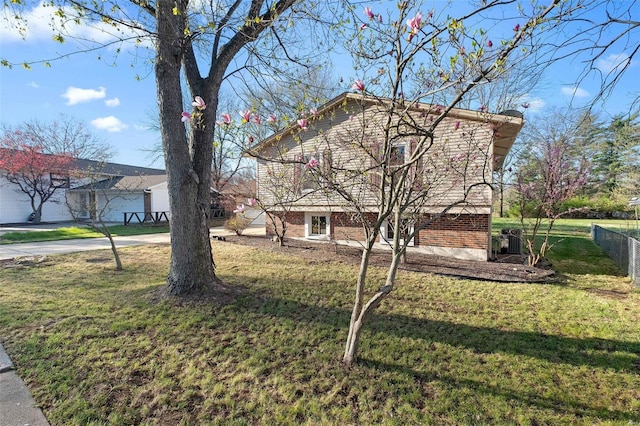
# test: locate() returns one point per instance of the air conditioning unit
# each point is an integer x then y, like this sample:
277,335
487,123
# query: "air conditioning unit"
514,238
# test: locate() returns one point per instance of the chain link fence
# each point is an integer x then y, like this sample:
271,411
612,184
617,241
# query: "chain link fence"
623,249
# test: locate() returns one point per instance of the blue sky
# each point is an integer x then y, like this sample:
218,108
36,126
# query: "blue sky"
103,89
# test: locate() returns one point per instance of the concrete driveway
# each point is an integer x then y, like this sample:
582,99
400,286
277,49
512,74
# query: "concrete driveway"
10,251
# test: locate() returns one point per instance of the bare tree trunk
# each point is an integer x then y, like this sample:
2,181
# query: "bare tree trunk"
355,326
361,312
37,211
283,233
102,228
114,249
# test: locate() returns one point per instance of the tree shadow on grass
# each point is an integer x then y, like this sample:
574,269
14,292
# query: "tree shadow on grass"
521,397
618,355
606,354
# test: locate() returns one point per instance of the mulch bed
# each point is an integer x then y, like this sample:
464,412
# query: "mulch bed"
505,268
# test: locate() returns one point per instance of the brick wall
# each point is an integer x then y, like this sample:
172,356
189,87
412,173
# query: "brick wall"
450,231
295,225
466,231
344,227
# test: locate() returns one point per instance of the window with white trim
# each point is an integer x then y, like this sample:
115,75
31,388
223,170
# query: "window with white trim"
387,232
317,225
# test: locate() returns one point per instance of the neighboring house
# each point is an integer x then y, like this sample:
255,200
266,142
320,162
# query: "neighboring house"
239,193
114,196
139,189
336,138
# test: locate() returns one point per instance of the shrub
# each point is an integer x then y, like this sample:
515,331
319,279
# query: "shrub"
237,224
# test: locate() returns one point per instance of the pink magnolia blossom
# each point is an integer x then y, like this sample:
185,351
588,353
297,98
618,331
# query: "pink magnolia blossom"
314,112
240,209
246,116
199,103
369,13
302,123
251,202
516,28
257,119
456,126
489,43
363,26
483,108
272,118
186,117
312,163
525,105
414,25
226,119
358,85
380,19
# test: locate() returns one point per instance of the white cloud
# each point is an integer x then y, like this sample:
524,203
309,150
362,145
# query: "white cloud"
75,95
34,22
613,62
110,124
532,104
40,23
112,102
536,104
34,85
575,92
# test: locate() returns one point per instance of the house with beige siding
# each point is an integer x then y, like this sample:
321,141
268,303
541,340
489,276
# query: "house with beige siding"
338,167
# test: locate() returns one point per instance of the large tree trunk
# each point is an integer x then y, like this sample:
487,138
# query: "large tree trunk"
192,268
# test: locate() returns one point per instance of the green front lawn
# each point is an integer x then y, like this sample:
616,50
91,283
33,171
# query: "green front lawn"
96,347
74,232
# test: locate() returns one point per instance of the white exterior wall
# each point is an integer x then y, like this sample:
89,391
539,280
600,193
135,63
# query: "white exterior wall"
159,197
256,215
132,202
15,206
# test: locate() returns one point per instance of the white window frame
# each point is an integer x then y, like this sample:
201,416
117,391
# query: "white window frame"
384,228
308,221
